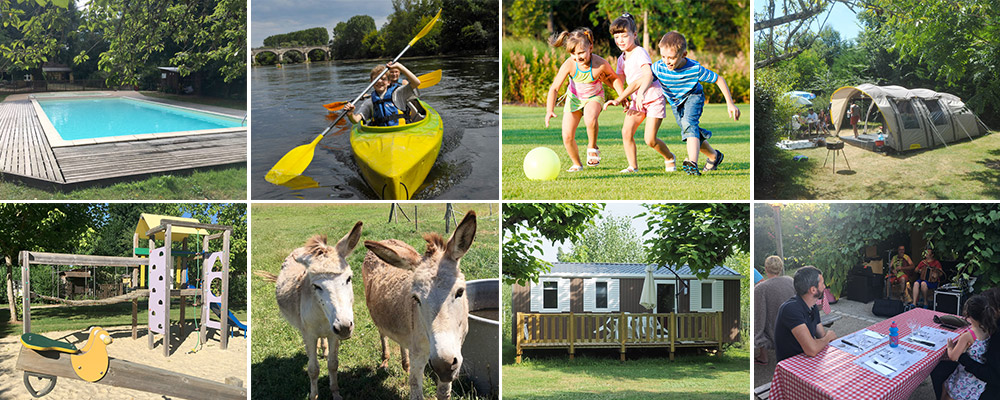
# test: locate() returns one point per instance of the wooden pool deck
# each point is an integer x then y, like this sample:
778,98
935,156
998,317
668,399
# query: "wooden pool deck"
26,153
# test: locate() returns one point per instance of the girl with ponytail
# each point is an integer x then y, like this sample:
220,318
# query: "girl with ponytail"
585,95
982,313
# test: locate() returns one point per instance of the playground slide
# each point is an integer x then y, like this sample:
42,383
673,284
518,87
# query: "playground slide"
232,318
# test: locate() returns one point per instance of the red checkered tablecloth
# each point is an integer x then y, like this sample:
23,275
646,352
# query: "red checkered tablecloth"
832,374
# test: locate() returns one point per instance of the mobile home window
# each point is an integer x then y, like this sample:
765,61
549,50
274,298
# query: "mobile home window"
550,295
602,295
706,295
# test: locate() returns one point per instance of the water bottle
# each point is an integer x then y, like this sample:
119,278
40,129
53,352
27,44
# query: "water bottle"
893,335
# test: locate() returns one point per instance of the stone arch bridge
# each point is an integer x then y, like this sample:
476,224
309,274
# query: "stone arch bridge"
281,51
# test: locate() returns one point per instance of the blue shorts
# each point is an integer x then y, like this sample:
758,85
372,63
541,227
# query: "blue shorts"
688,115
930,285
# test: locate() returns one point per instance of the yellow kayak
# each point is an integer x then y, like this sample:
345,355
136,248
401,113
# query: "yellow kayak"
395,160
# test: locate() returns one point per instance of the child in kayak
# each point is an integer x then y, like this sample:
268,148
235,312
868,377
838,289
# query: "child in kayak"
585,94
388,103
647,102
679,77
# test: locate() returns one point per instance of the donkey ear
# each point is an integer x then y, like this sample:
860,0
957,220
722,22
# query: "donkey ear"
397,256
349,241
462,239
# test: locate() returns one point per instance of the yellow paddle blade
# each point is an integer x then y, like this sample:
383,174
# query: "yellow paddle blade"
426,29
429,79
293,163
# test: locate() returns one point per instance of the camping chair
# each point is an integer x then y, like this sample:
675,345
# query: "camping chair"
611,326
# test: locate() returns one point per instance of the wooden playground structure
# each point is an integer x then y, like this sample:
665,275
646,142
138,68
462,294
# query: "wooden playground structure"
160,264
618,330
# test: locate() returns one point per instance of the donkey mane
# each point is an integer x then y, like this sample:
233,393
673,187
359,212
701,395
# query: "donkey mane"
316,245
435,243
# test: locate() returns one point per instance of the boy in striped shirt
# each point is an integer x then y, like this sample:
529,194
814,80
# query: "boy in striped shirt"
679,77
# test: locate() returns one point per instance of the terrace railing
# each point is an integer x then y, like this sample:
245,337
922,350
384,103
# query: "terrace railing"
20,86
621,330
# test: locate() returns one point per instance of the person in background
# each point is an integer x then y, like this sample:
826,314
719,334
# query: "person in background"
768,295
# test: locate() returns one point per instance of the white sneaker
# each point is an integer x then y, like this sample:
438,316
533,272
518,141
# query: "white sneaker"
670,165
628,170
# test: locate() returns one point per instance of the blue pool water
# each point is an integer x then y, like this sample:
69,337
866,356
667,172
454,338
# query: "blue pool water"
95,118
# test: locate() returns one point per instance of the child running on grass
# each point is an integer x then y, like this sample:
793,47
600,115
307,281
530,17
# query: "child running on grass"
679,77
647,102
585,95
388,103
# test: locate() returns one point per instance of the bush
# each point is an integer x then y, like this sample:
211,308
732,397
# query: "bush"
771,113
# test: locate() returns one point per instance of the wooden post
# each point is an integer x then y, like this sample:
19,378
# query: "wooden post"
135,318
224,315
572,335
673,334
416,222
26,291
718,330
447,217
181,322
519,335
203,331
169,261
621,329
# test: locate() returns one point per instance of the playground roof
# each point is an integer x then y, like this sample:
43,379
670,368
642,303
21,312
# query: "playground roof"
150,221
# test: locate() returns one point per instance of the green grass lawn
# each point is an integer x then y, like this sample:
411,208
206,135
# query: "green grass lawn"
208,184
523,130
967,170
277,356
54,319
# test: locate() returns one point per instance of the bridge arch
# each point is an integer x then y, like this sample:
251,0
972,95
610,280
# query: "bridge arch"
282,51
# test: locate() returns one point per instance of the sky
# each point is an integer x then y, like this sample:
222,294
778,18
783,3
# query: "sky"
628,210
272,17
842,19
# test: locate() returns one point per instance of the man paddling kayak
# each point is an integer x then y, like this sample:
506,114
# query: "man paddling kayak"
388,103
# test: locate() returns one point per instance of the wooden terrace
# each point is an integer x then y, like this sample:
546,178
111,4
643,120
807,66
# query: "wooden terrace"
618,330
25,152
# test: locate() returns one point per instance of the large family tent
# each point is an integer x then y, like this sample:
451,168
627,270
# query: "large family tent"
914,118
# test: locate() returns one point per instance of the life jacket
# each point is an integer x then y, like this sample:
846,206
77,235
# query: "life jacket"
384,111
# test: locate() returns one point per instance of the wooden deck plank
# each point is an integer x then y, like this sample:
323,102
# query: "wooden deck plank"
25,149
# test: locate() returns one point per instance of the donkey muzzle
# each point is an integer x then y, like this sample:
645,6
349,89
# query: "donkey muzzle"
343,330
446,368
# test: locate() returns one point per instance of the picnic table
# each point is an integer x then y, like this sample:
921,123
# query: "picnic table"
832,374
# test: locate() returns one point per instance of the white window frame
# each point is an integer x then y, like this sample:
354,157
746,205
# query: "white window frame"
656,283
718,295
537,296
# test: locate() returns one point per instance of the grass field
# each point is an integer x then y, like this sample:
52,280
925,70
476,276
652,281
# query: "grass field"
967,170
53,319
523,130
277,356
202,184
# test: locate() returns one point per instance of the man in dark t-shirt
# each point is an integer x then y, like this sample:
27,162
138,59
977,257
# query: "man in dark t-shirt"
797,329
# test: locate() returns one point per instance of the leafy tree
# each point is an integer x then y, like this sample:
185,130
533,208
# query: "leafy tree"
721,25
527,18
348,37
407,19
611,240
469,25
526,224
699,235
38,227
32,31
305,37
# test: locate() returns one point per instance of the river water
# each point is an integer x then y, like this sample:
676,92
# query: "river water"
287,111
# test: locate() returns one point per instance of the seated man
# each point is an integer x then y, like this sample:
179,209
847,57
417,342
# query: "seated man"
900,267
813,120
931,274
798,328
768,295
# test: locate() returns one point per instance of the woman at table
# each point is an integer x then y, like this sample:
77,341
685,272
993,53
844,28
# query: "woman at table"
987,371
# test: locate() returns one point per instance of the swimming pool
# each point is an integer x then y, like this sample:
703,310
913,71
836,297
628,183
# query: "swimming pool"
69,122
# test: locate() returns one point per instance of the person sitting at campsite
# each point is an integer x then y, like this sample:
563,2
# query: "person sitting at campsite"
930,273
769,294
388,104
963,385
855,114
900,267
813,120
824,120
798,329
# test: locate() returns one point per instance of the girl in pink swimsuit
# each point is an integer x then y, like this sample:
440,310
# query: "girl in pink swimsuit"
585,95
646,101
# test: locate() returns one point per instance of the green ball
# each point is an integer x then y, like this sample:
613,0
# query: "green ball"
541,164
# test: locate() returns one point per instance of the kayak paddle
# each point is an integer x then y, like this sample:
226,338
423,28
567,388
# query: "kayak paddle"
296,160
426,80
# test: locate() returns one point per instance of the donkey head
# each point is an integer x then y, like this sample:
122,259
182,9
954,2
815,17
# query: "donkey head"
329,278
440,306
